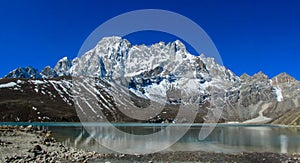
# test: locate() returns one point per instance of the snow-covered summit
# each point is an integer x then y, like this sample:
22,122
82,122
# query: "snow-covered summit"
48,72
23,72
114,57
62,66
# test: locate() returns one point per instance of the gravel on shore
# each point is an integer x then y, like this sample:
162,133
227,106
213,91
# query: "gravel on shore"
29,144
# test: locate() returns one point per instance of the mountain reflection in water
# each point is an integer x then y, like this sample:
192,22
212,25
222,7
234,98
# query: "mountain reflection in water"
224,138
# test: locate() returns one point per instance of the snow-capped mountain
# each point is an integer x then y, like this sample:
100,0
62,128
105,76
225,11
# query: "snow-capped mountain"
62,67
119,75
48,72
26,72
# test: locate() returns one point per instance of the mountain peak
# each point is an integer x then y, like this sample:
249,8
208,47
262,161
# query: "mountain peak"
245,76
112,38
113,41
62,66
23,72
178,46
179,43
260,75
63,59
282,78
48,72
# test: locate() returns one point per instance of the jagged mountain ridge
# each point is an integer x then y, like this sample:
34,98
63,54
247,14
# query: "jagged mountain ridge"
158,71
61,69
137,59
23,72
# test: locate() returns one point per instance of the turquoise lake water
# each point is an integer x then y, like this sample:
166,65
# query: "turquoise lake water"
227,138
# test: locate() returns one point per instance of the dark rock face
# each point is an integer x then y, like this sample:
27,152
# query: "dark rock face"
35,100
146,78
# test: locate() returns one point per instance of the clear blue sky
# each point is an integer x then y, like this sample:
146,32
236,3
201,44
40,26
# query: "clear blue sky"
251,35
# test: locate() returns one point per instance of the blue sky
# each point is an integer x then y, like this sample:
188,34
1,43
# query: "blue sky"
251,35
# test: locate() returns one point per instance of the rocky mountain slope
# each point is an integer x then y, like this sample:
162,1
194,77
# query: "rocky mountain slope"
118,81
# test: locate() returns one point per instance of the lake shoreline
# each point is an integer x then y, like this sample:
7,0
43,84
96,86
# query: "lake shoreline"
22,144
136,123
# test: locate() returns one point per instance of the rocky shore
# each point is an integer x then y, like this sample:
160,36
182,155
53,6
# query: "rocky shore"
29,144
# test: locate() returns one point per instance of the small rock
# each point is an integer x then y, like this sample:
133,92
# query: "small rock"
37,148
28,128
47,144
48,134
8,143
122,155
33,142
